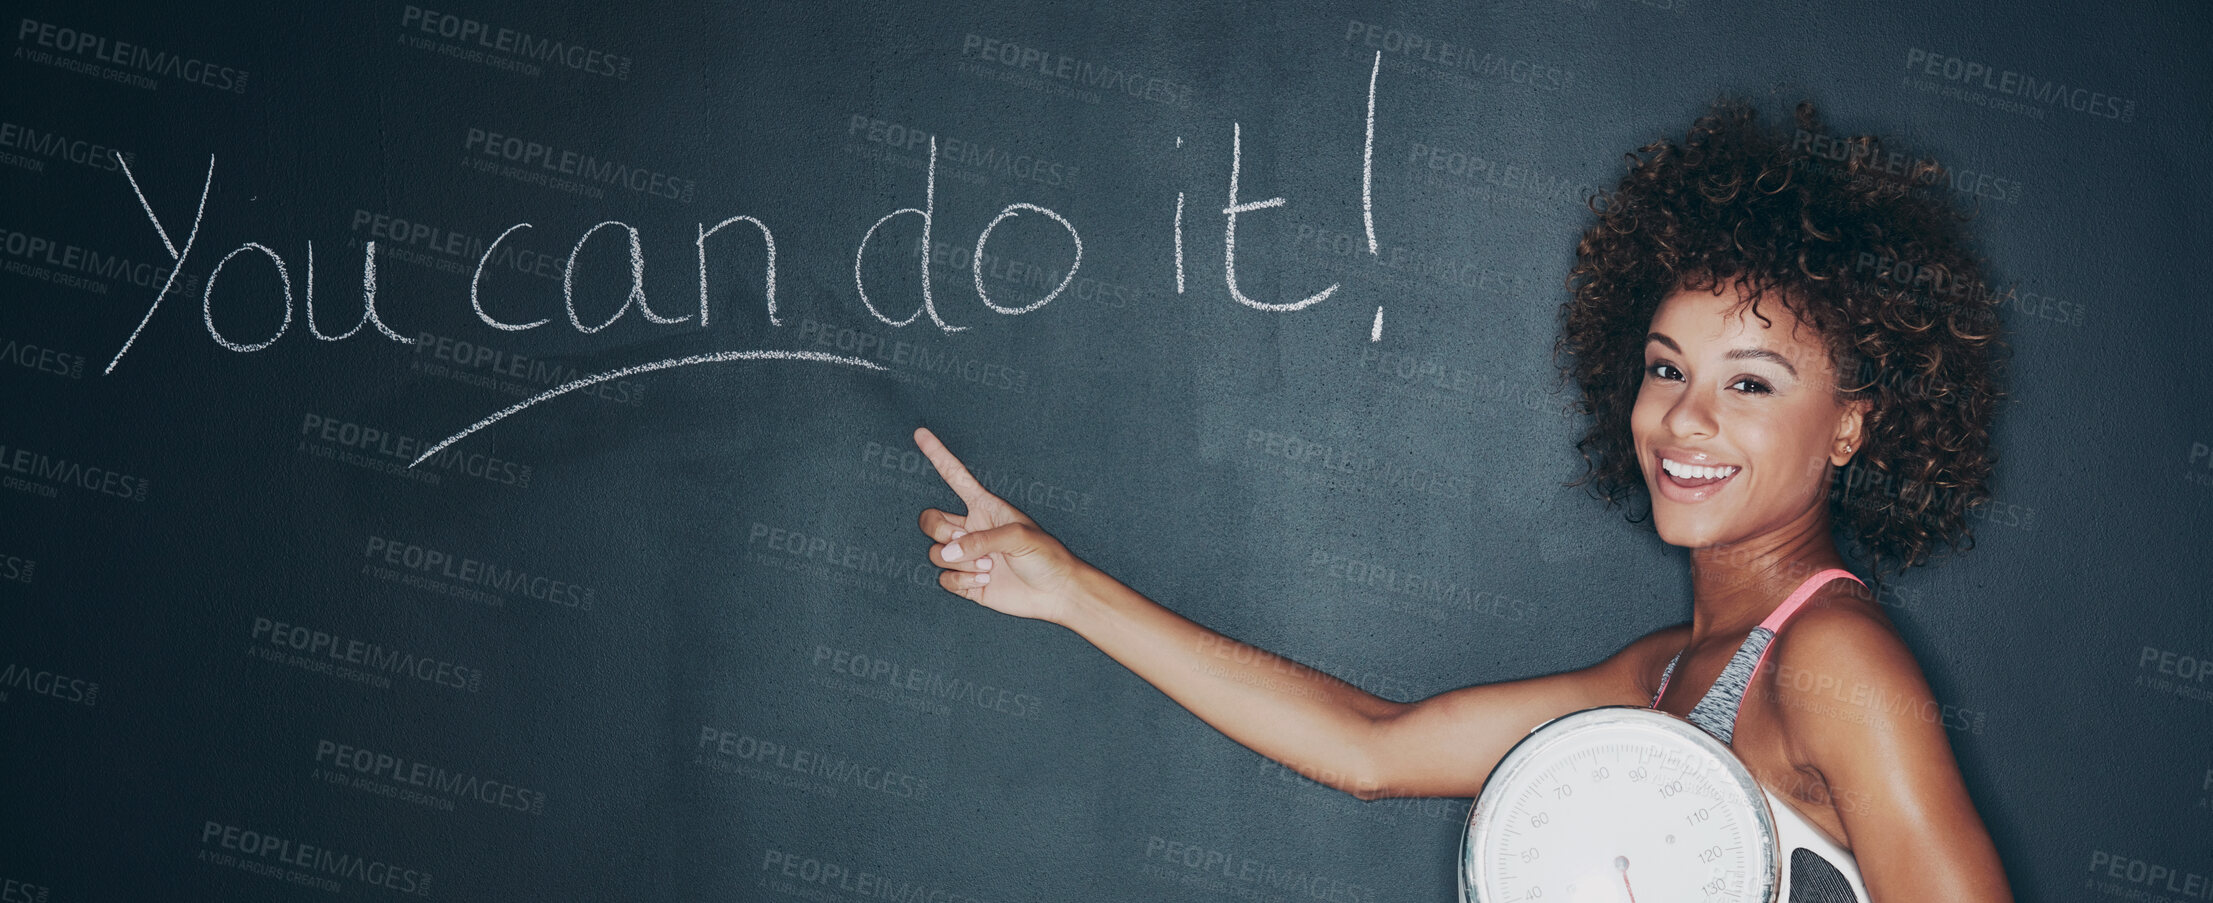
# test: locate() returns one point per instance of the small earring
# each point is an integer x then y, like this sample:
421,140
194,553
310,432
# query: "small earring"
1847,449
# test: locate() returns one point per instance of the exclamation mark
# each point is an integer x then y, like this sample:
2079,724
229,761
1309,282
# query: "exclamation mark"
1367,187
1179,232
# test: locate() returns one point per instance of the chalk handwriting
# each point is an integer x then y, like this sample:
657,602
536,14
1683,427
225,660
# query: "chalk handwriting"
573,385
174,254
1367,186
928,213
636,295
368,297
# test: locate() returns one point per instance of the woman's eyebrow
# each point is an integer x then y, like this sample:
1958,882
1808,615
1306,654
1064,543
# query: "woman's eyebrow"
1734,355
1763,355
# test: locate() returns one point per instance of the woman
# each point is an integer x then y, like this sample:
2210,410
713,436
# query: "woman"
1757,372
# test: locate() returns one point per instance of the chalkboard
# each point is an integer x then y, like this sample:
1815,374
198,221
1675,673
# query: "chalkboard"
588,567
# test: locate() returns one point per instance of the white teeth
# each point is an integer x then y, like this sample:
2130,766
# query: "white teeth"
1694,471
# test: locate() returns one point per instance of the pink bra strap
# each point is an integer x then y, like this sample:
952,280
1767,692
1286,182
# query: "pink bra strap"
1798,597
1774,622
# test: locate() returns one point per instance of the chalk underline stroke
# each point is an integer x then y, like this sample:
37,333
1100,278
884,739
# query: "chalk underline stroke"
715,358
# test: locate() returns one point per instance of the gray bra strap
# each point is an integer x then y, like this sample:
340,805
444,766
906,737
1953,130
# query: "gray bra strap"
1716,712
1718,709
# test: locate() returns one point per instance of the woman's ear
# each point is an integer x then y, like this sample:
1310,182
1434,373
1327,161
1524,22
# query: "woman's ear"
1851,431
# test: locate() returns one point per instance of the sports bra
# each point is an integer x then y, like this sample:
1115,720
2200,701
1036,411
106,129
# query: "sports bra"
1716,712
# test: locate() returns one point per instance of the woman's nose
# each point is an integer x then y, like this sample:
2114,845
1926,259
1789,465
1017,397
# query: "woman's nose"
1691,415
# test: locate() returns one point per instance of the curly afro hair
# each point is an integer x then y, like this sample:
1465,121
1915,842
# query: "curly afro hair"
1862,243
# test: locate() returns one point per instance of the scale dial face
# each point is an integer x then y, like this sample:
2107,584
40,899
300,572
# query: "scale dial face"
1619,804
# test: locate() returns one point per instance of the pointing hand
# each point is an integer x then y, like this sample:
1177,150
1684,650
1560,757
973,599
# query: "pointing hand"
993,554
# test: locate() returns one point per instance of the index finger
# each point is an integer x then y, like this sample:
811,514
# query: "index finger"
950,469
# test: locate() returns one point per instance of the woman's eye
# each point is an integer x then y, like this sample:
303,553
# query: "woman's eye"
1751,386
1662,371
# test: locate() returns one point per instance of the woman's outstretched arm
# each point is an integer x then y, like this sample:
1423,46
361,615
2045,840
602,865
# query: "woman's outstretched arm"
1329,730
1317,725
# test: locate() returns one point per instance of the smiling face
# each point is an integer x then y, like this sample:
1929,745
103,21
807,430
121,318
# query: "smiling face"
1737,422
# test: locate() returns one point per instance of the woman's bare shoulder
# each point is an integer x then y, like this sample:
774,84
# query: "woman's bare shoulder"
1855,707
1840,637
1844,680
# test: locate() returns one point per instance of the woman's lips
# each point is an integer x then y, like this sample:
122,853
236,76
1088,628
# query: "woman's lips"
1692,483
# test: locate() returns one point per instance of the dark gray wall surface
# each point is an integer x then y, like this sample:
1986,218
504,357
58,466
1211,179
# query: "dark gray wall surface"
676,638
